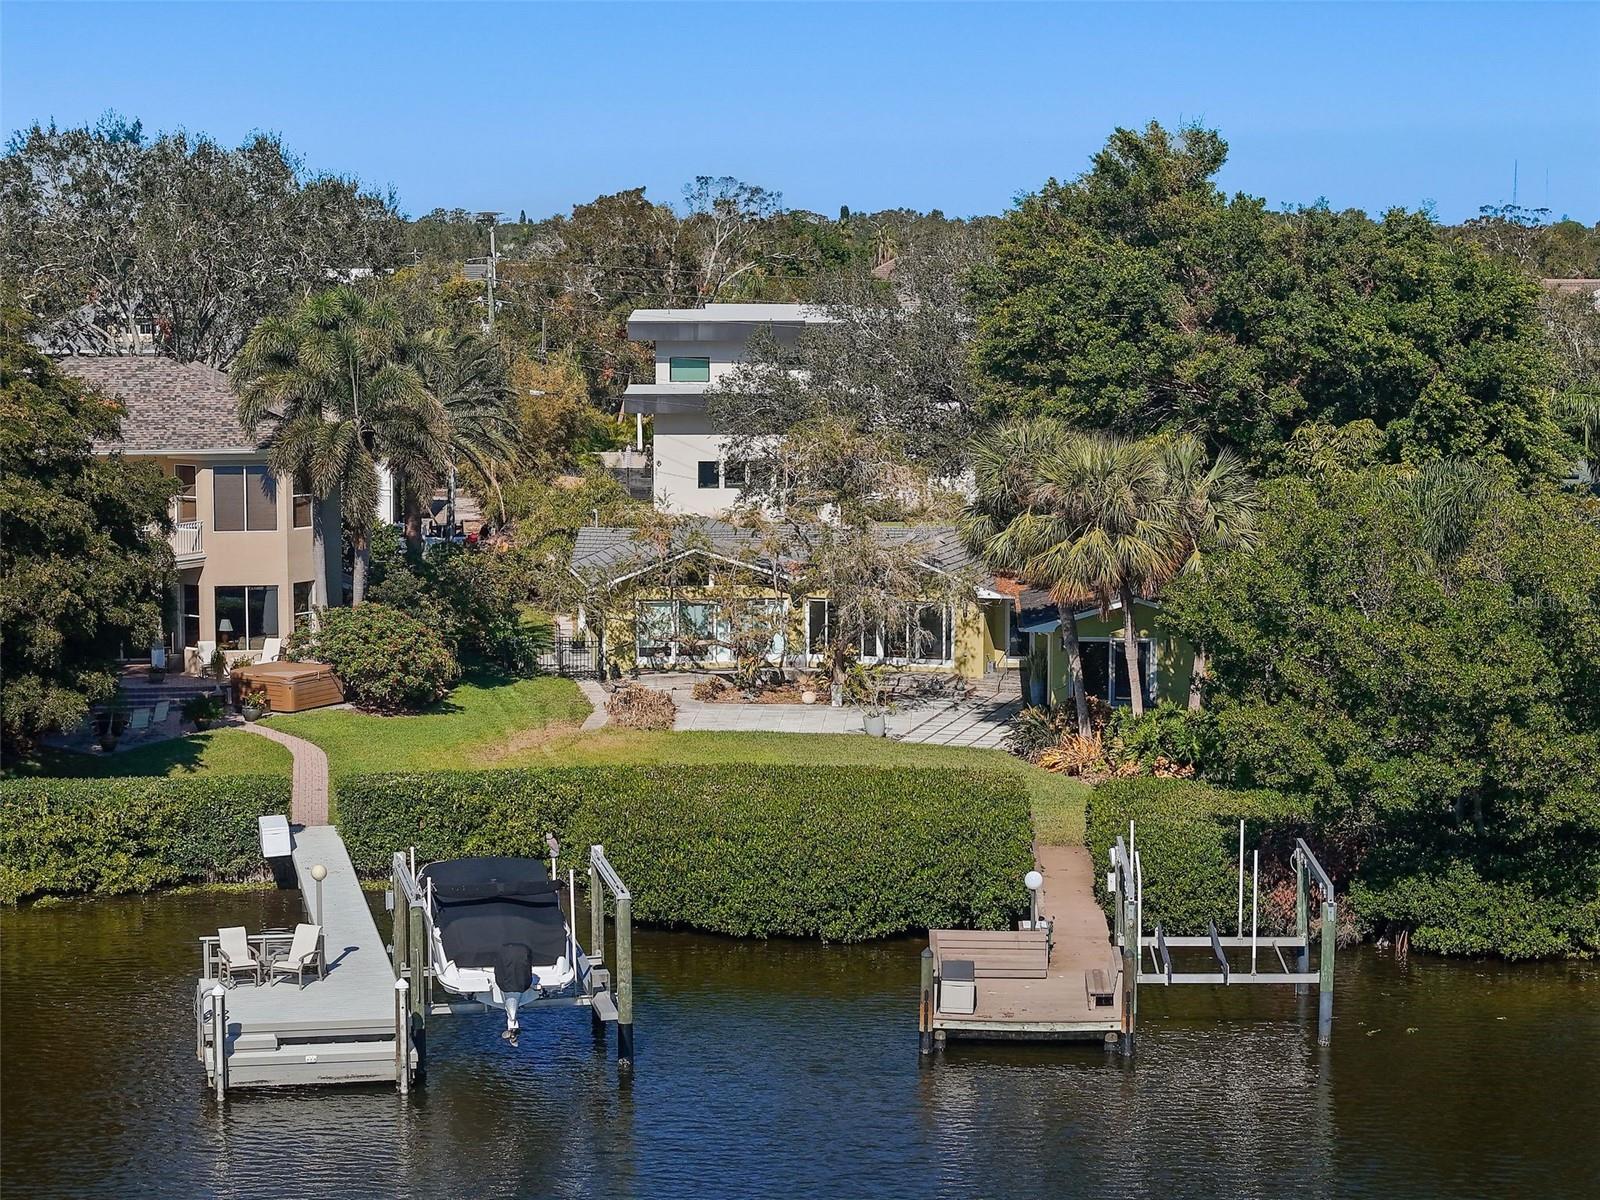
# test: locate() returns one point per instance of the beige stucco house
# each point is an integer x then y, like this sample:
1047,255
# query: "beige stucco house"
242,534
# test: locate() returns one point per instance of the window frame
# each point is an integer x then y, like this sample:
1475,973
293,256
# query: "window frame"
716,474
243,472
246,639
704,365
310,501
187,500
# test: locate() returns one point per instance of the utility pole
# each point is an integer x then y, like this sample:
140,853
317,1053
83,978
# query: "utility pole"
489,218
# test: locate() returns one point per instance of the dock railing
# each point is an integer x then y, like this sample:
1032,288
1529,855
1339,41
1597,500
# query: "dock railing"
266,945
603,879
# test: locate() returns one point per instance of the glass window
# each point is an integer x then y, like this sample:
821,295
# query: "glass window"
869,640
1096,669
302,502
246,616
894,640
734,474
932,634
817,613
710,473
244,498
689,370
698,627
1147,676
762,616
188,502
654,629
302,603
191,614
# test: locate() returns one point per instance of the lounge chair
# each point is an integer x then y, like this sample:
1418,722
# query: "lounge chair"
138,722
163,711
302,955
271,649
234,956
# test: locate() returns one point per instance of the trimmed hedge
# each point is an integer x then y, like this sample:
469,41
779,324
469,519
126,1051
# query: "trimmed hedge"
844,853
74,836
1187,836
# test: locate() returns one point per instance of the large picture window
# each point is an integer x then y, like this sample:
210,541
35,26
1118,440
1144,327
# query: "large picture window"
688,629
302,604
689,370
246,617
1105,669
245,498
191,614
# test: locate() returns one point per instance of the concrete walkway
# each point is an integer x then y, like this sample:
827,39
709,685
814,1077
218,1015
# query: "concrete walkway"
938,723
596,696
310,804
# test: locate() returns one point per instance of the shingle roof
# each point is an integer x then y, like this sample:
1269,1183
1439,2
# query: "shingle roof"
611,552
171,406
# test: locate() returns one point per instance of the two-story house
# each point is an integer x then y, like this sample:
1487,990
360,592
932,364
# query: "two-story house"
694,348
242,534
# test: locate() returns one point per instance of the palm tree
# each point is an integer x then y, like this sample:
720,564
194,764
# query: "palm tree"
337,384
1214,502
1020,527
466,375
1127,540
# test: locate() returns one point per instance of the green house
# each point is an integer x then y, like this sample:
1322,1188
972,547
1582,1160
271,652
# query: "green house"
1166,659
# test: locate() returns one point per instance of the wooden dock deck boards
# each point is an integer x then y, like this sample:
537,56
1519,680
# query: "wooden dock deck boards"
1056,1006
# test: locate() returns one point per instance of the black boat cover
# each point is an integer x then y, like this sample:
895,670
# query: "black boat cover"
503,913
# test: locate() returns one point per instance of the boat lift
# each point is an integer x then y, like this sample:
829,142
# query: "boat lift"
417,998
1125,881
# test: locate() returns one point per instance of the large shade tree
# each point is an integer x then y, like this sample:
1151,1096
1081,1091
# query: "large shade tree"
83,563
1139,297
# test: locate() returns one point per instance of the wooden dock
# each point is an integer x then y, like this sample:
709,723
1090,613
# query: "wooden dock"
1021,993
340,1026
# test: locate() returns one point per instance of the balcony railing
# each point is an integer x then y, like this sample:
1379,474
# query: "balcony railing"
188,541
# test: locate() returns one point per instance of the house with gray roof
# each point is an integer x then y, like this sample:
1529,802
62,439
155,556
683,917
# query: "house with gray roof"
242,534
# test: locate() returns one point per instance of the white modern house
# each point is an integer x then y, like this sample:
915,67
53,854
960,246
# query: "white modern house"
694,347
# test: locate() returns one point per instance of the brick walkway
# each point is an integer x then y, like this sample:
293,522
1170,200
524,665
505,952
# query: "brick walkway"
310,805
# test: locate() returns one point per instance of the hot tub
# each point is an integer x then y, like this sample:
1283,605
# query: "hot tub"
291,686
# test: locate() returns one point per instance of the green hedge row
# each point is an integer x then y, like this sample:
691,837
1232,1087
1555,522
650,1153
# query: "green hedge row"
843,853
76,836
1187,835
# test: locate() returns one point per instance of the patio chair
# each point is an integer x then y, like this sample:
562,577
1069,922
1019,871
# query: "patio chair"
203,652
234,956
302,954
271,649
163,711
139,722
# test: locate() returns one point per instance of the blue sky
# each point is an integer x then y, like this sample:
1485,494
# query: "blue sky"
959,107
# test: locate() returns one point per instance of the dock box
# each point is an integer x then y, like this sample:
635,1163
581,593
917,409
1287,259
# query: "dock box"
958,988
291,686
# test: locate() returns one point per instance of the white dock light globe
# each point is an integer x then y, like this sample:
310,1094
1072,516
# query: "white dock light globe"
319,872
1034,880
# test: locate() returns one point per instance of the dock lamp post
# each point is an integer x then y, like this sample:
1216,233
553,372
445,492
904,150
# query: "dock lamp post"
1035,881
319,873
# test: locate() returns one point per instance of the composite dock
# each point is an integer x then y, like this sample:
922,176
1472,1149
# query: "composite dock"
1025,987
340,1027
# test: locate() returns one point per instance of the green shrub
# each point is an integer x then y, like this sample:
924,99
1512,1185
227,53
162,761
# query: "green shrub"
1187,836
843,853
70,836
389,661
1163,732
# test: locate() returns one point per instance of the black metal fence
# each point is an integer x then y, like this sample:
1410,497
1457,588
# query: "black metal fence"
573,657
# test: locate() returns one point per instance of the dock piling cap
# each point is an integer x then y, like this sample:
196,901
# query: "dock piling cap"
1034,880
400,985
319,872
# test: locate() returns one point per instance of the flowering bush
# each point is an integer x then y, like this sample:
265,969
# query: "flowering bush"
389,662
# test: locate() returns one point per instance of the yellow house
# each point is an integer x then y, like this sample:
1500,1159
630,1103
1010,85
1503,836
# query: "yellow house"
1166,659
689,604
242,534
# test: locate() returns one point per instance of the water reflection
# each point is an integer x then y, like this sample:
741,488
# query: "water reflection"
781,1068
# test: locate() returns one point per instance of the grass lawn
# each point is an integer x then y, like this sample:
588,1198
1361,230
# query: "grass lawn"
474,726
215,752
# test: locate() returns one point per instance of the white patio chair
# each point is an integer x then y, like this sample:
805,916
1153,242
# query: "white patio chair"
163,711
234,956
203,652
139,722
302,954
271,648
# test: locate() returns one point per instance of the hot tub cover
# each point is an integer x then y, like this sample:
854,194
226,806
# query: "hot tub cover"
503,913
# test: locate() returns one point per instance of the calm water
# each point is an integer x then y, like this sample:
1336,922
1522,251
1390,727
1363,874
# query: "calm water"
778,1068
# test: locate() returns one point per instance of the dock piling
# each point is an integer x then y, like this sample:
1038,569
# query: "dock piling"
219,1040
1302,920
925,1004
402,1037
625,980
1330,922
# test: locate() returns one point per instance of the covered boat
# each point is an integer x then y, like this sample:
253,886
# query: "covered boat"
499,935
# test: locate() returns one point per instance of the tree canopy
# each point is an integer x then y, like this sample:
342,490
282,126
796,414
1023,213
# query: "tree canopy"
83,563
1139,297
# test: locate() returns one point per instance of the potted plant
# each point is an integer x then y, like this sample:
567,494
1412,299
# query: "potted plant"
866,685
219,663
108,728
254,704
201,711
